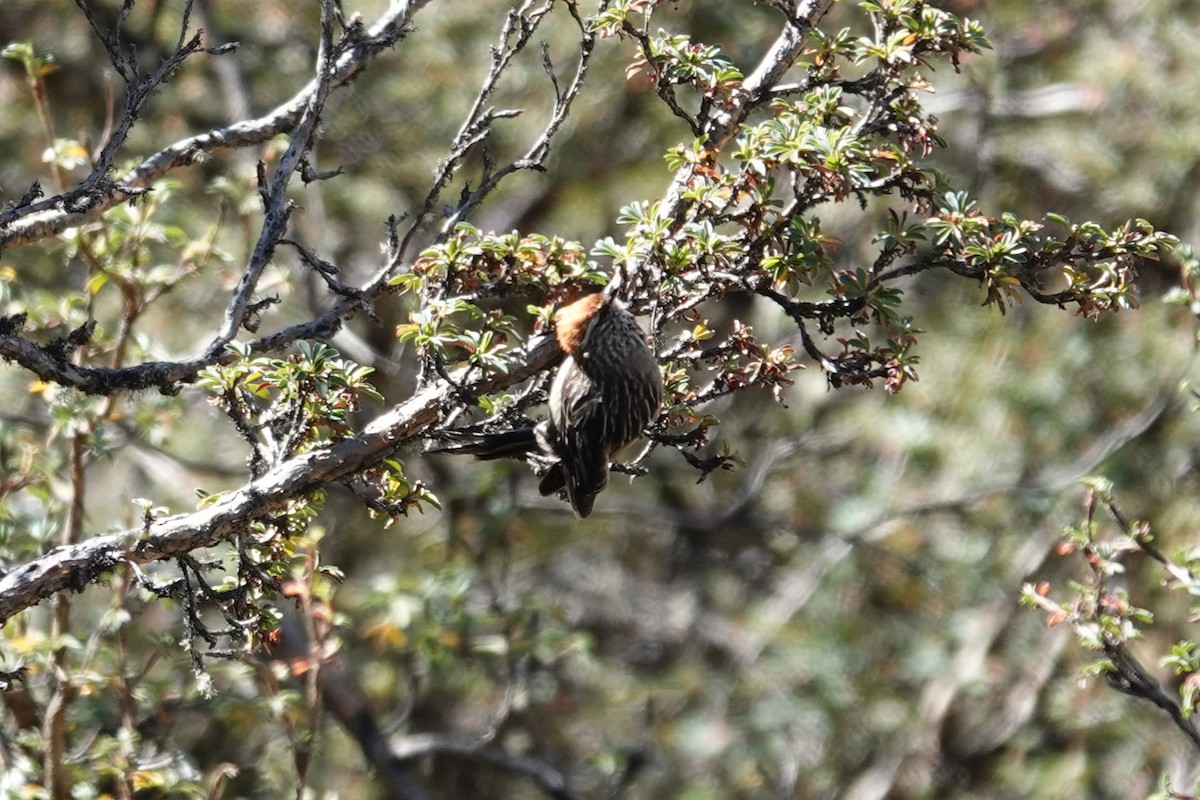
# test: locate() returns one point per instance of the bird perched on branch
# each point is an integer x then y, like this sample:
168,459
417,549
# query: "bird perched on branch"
607,389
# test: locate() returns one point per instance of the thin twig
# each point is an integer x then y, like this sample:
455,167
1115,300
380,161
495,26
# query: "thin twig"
34,221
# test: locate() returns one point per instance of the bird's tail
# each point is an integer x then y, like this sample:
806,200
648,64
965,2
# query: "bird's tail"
517,443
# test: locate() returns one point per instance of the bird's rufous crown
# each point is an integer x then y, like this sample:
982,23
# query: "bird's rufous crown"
571,321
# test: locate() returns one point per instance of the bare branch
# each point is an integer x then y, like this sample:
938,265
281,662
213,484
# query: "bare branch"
535,156
96,380
37,220
279,208
519,27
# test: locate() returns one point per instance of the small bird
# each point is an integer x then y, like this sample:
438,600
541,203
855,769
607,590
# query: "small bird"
606,391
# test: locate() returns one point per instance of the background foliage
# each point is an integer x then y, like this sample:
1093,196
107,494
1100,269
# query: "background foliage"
840,616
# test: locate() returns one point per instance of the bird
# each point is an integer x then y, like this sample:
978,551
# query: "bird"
607,389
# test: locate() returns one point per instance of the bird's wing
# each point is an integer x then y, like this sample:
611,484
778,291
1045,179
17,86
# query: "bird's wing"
579,429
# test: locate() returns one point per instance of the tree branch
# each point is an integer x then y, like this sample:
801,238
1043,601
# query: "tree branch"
759,85
1130,677
52,215
278,207
50,366
76,566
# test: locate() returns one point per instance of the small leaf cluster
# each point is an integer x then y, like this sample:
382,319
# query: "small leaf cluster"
911,31
671,61
1099,611
452,278
285,406
1092,268
470,262
674,59
395,492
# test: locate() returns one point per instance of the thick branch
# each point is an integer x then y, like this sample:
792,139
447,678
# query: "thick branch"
98,380
52,366
76,566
